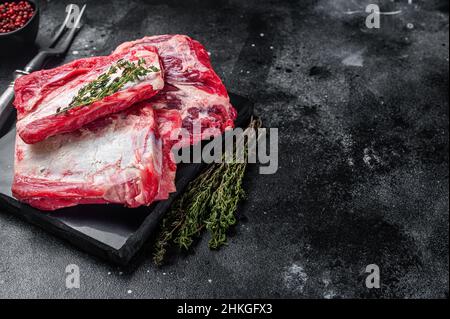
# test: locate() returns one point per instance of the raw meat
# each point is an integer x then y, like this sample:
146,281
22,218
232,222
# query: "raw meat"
192,87
169,122
125,157
116,159
41,94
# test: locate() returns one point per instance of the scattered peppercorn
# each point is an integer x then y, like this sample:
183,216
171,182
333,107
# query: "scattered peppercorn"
14,15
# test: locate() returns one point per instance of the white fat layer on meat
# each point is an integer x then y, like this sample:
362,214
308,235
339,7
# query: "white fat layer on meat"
119,150
64,95
179,46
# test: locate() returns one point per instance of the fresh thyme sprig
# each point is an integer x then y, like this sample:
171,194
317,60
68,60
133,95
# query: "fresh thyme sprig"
106,84
223,204
209,202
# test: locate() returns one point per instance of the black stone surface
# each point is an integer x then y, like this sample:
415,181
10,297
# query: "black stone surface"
363,153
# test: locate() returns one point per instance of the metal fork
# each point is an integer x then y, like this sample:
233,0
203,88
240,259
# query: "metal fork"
55,48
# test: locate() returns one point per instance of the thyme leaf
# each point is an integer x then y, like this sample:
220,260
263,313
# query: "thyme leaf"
108,83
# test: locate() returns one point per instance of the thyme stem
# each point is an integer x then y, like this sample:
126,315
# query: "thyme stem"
107,83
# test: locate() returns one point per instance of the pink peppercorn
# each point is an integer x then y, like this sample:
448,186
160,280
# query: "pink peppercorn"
14,15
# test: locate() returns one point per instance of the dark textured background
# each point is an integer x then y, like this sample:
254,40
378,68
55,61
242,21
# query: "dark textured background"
363,177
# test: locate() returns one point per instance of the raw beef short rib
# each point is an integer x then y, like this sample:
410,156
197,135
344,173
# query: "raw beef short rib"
191,86
125,157
117,159
40,95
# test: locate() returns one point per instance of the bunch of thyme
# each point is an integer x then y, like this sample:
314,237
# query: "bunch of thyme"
106,84
209,202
